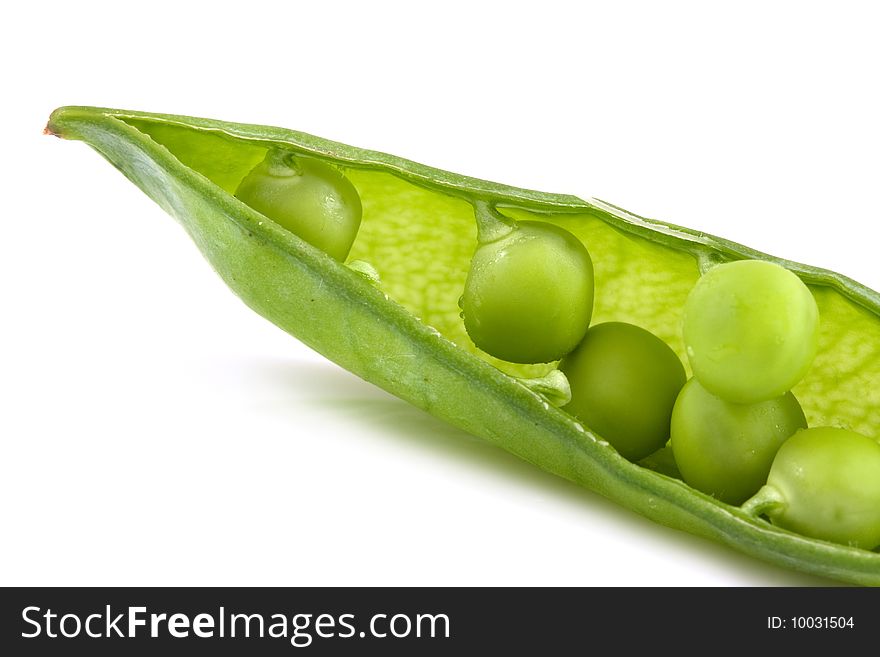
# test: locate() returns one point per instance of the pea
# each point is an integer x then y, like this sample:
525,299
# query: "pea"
751,329
528,297
825,483
310,199
424,234
624,381
726,449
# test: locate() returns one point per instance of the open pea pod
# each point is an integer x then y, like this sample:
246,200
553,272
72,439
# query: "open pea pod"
405,333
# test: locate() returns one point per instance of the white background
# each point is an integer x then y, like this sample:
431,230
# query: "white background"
155,431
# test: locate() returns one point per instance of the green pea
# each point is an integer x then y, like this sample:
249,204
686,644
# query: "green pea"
751,329
726,449
528,297
624,381
186,163
310,199
825,483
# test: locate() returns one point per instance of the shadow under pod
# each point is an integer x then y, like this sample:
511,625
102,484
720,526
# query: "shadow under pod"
327,385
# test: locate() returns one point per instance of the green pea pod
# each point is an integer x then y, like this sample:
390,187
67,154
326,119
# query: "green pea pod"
402,329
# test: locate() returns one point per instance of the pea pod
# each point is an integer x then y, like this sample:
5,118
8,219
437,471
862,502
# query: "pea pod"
404,332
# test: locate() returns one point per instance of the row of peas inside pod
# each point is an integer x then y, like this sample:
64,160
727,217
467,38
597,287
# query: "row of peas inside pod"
751,332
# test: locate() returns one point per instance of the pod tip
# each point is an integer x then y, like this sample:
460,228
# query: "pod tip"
52,128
